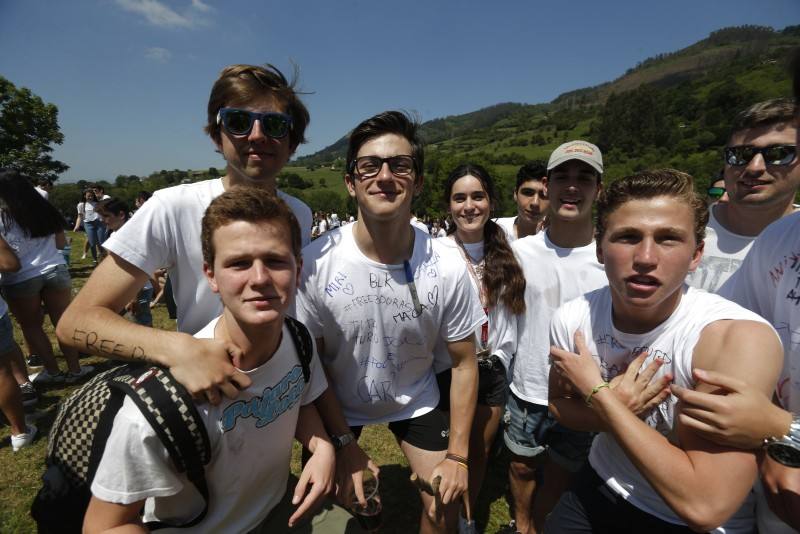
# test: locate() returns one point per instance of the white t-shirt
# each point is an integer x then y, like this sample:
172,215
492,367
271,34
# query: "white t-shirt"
36,255
87,212
768,282
45,195
674,341
502,325
251,443
419,224
507,224
378,347
722,255
553,275
165,232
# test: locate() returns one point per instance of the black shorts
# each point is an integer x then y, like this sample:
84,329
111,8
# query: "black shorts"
589,505
429,432
492,385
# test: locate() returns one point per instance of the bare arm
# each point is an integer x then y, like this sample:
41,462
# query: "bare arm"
61,240
91,324
9,262
686,476
463,399
108,517
320,469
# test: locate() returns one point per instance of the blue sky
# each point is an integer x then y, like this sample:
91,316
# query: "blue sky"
131,77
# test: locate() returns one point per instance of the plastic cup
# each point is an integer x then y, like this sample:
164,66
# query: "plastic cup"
369,517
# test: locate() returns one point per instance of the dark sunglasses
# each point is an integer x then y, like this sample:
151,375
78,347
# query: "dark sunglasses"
369,166
738,156
240,122
716,192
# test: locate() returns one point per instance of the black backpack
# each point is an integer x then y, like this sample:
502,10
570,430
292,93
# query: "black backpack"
84,421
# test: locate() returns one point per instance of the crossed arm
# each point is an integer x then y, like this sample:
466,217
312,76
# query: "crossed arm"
686,475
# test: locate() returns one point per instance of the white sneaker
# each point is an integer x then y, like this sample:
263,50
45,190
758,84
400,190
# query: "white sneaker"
23,440
83,257
71,378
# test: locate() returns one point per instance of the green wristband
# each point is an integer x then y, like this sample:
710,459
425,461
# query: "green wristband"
595,389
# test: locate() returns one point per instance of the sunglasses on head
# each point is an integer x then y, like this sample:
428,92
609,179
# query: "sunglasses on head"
716,192
738,156
240,122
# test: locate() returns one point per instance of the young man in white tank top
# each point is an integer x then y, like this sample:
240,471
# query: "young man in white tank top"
648,472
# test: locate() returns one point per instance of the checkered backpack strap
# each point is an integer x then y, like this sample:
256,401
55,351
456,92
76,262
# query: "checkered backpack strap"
303,343
171,412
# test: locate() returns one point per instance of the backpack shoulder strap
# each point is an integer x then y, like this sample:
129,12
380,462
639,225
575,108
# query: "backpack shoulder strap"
301,338
171,412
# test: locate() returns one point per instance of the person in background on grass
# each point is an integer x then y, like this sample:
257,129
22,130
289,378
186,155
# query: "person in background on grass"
470,197
716,192
90,220
43,187
559,263
377,295
22,434
251,251
141,198
530,196
647,471
34,229
762,176
115,214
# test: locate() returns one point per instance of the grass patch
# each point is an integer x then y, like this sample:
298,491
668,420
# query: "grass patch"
20,473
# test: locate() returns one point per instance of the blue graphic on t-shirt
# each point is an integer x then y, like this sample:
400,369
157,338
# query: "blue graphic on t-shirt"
270,405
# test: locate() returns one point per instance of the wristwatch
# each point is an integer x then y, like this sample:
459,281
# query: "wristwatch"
786,449
340,442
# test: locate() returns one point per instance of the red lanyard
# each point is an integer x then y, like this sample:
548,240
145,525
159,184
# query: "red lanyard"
481,290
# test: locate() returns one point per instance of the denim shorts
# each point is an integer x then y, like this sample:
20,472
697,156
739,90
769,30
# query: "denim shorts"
492,384
6,334
530,431
56,277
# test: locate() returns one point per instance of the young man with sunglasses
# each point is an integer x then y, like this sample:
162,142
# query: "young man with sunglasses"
767,283
761,176
378,295
256,120
716,190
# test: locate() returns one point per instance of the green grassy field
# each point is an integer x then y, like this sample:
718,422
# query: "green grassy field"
20,472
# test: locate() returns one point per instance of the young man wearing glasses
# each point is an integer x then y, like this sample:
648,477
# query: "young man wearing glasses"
761,179
378,295
256,120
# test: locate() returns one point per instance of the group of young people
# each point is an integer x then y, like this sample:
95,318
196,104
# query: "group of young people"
579,339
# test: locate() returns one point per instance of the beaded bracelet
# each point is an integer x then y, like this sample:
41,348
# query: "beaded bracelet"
595,389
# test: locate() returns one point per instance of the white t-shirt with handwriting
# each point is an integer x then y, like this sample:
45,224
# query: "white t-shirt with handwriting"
379,344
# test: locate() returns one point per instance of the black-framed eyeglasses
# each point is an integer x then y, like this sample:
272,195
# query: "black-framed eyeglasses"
738,156
370,166
715,192
240,122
